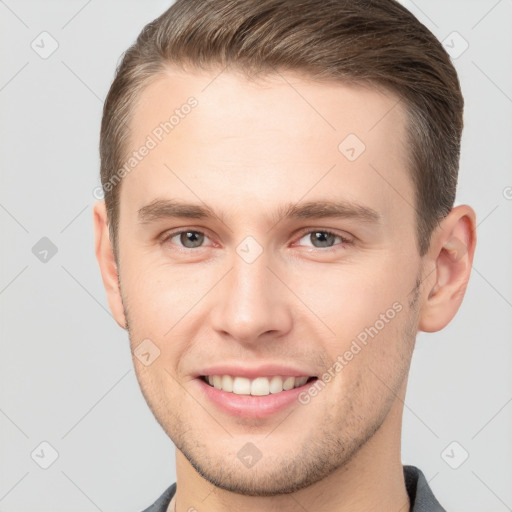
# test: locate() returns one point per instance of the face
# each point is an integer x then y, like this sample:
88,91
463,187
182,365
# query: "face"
304,263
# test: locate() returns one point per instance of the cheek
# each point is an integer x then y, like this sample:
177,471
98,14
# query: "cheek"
350,299
163,305
367,315
373,365
159,390
158,296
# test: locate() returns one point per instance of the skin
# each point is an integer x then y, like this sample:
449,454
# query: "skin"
246,149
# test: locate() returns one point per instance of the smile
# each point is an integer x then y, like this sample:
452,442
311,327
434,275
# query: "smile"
260,386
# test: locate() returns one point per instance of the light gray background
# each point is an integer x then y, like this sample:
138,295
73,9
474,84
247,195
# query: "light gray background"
65,367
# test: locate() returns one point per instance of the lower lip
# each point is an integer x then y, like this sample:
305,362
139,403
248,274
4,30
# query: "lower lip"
249,406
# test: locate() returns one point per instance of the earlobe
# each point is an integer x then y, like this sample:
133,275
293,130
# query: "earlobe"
107,263
451,251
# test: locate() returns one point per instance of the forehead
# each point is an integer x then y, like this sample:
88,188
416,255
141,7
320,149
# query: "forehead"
223,137
267,103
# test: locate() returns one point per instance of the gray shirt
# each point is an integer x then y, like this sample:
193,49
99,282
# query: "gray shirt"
421,496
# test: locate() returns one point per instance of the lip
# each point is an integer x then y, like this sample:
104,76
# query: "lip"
267,370
248,406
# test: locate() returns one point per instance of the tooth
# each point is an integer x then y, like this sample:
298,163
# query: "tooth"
217,379
227,383
260,386
288,383
300,381
276,384
241,386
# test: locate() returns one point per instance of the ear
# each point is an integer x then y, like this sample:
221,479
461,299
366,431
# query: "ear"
107,263
449,261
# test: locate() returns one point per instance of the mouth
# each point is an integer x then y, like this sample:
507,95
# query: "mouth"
259,386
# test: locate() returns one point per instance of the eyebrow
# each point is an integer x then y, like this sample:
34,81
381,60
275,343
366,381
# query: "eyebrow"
160,209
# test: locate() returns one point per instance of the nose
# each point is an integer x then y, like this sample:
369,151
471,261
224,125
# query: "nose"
251,302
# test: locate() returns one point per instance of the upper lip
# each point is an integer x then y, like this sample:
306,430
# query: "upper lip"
238,370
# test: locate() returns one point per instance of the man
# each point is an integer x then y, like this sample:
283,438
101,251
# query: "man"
278,225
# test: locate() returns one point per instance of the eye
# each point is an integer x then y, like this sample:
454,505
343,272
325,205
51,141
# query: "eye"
322,239
189,239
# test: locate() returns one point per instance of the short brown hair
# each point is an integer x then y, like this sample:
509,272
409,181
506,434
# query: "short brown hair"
376,42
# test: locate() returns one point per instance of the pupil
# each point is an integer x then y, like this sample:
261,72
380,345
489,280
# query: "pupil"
193,238
323,237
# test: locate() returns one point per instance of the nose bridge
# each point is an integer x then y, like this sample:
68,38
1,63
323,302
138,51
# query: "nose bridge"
248,302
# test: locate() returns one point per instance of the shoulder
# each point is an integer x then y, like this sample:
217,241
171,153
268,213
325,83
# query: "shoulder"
420,494
161,504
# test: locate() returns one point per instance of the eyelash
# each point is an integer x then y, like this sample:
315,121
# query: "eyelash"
344,241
